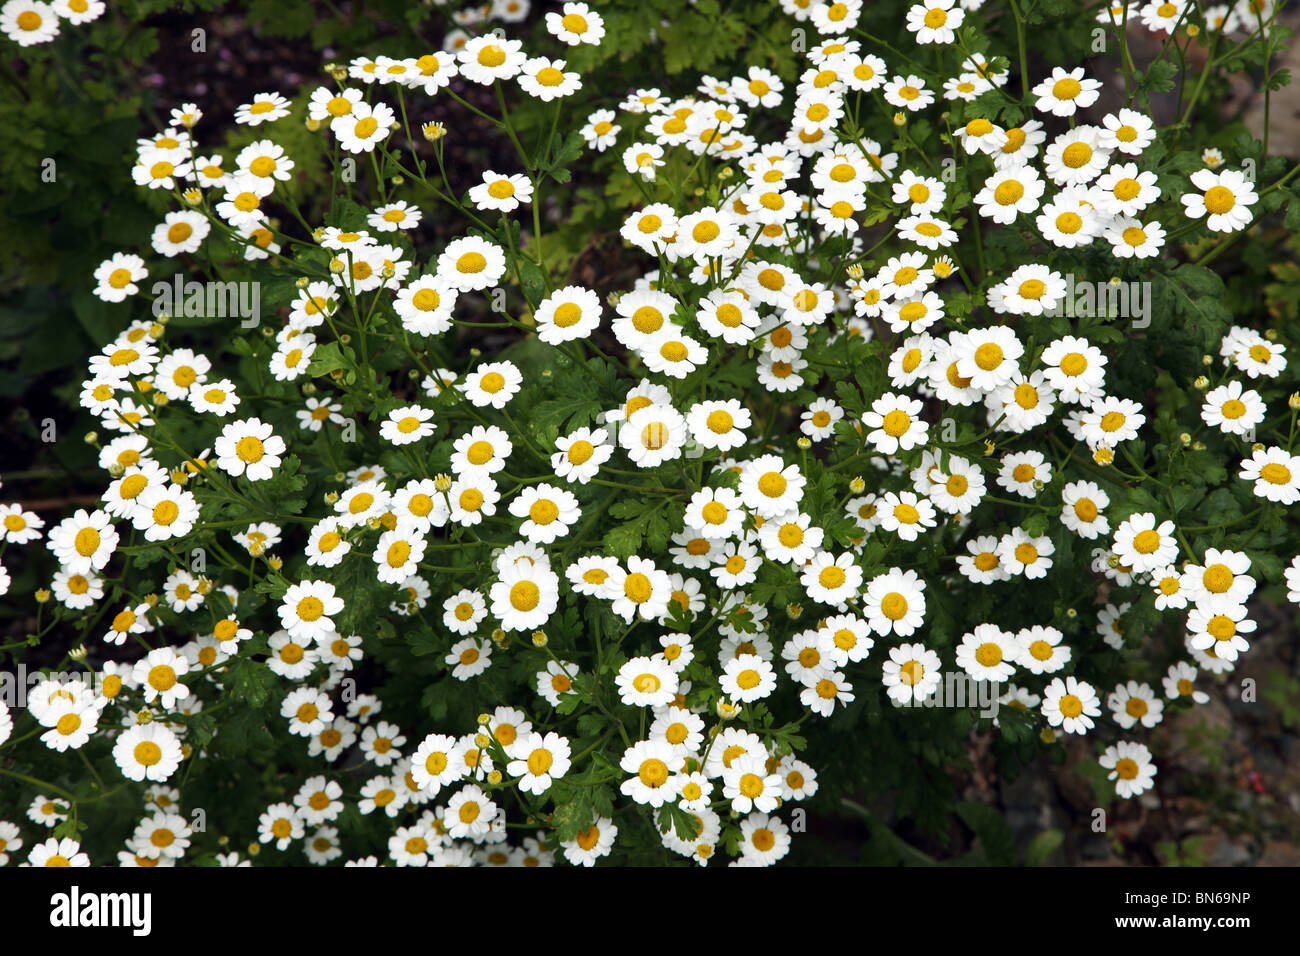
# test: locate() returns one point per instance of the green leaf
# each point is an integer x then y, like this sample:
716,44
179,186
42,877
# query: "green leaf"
573,816
681,822
992,830
1042,847
250,681
1292,220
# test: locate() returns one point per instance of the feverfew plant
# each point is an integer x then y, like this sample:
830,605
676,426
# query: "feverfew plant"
447,551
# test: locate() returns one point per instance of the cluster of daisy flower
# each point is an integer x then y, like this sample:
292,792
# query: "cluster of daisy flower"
33,22
498,541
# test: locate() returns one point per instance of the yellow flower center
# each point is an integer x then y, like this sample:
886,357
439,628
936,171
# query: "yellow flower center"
1219,199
